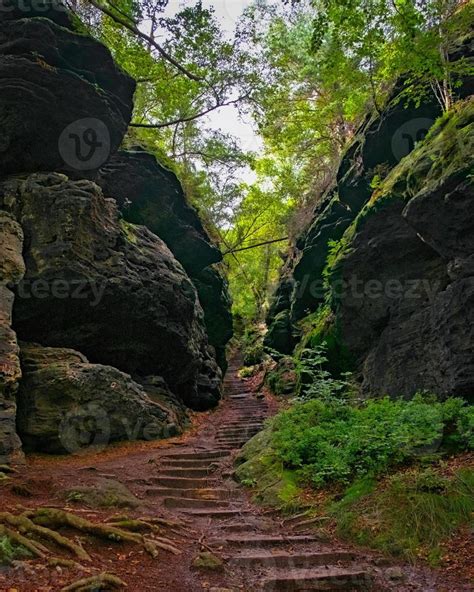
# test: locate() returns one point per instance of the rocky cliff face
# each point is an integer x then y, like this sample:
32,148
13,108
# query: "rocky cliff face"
104,267
12,269
383,275
149,194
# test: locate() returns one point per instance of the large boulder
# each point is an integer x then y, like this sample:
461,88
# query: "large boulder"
64,104
332,220
386,137
12,269
66,404
383,140
107,288
149,194
280,335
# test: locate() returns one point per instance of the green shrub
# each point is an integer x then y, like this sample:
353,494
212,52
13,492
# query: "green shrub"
315,380
332,441
321,332
247,371
253,355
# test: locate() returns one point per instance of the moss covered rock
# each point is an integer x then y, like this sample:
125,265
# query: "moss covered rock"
258,468
66,404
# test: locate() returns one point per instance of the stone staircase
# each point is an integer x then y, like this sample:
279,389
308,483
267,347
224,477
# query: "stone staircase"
262,553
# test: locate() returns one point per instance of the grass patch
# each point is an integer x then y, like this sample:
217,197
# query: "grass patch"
408,514
11,552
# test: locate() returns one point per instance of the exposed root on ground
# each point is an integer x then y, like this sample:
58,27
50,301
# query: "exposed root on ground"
95,583
34,529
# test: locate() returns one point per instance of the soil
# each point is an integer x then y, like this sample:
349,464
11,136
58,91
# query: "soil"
190,479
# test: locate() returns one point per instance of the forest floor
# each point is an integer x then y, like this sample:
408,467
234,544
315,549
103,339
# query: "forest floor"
219,540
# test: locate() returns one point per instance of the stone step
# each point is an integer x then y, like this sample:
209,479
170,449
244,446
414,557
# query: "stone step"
237,431
199,494
207,454
241,527
282,559
231,445
233,437
217,514
322,579
191,473
259,540
246,415
183,482
187,463
246,400
199,504
249,405
238,424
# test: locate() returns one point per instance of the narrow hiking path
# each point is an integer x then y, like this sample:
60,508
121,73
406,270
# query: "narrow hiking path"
189,481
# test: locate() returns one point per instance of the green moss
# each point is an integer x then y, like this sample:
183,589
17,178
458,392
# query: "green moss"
207,561
129,231
271,483
105,494
282,380
321,329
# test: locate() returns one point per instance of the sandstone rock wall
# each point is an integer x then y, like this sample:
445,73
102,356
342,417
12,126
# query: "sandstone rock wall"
149,194
384,272
12,269
104,266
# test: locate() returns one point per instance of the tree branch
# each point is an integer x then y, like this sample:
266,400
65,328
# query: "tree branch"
188,118
132,27
276,240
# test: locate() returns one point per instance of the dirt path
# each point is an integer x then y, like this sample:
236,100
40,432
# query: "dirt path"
190,479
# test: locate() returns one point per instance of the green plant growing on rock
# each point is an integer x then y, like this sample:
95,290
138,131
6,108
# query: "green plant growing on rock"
282,379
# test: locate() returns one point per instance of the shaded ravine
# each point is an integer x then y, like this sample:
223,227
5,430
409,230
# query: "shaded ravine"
191,480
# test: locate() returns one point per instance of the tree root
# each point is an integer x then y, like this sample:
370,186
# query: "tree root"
163,522
53,518
95,583
25,525
35,548
42,523
65,563
7,469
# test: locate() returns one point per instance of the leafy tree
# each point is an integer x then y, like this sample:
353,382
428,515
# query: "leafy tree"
306,71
